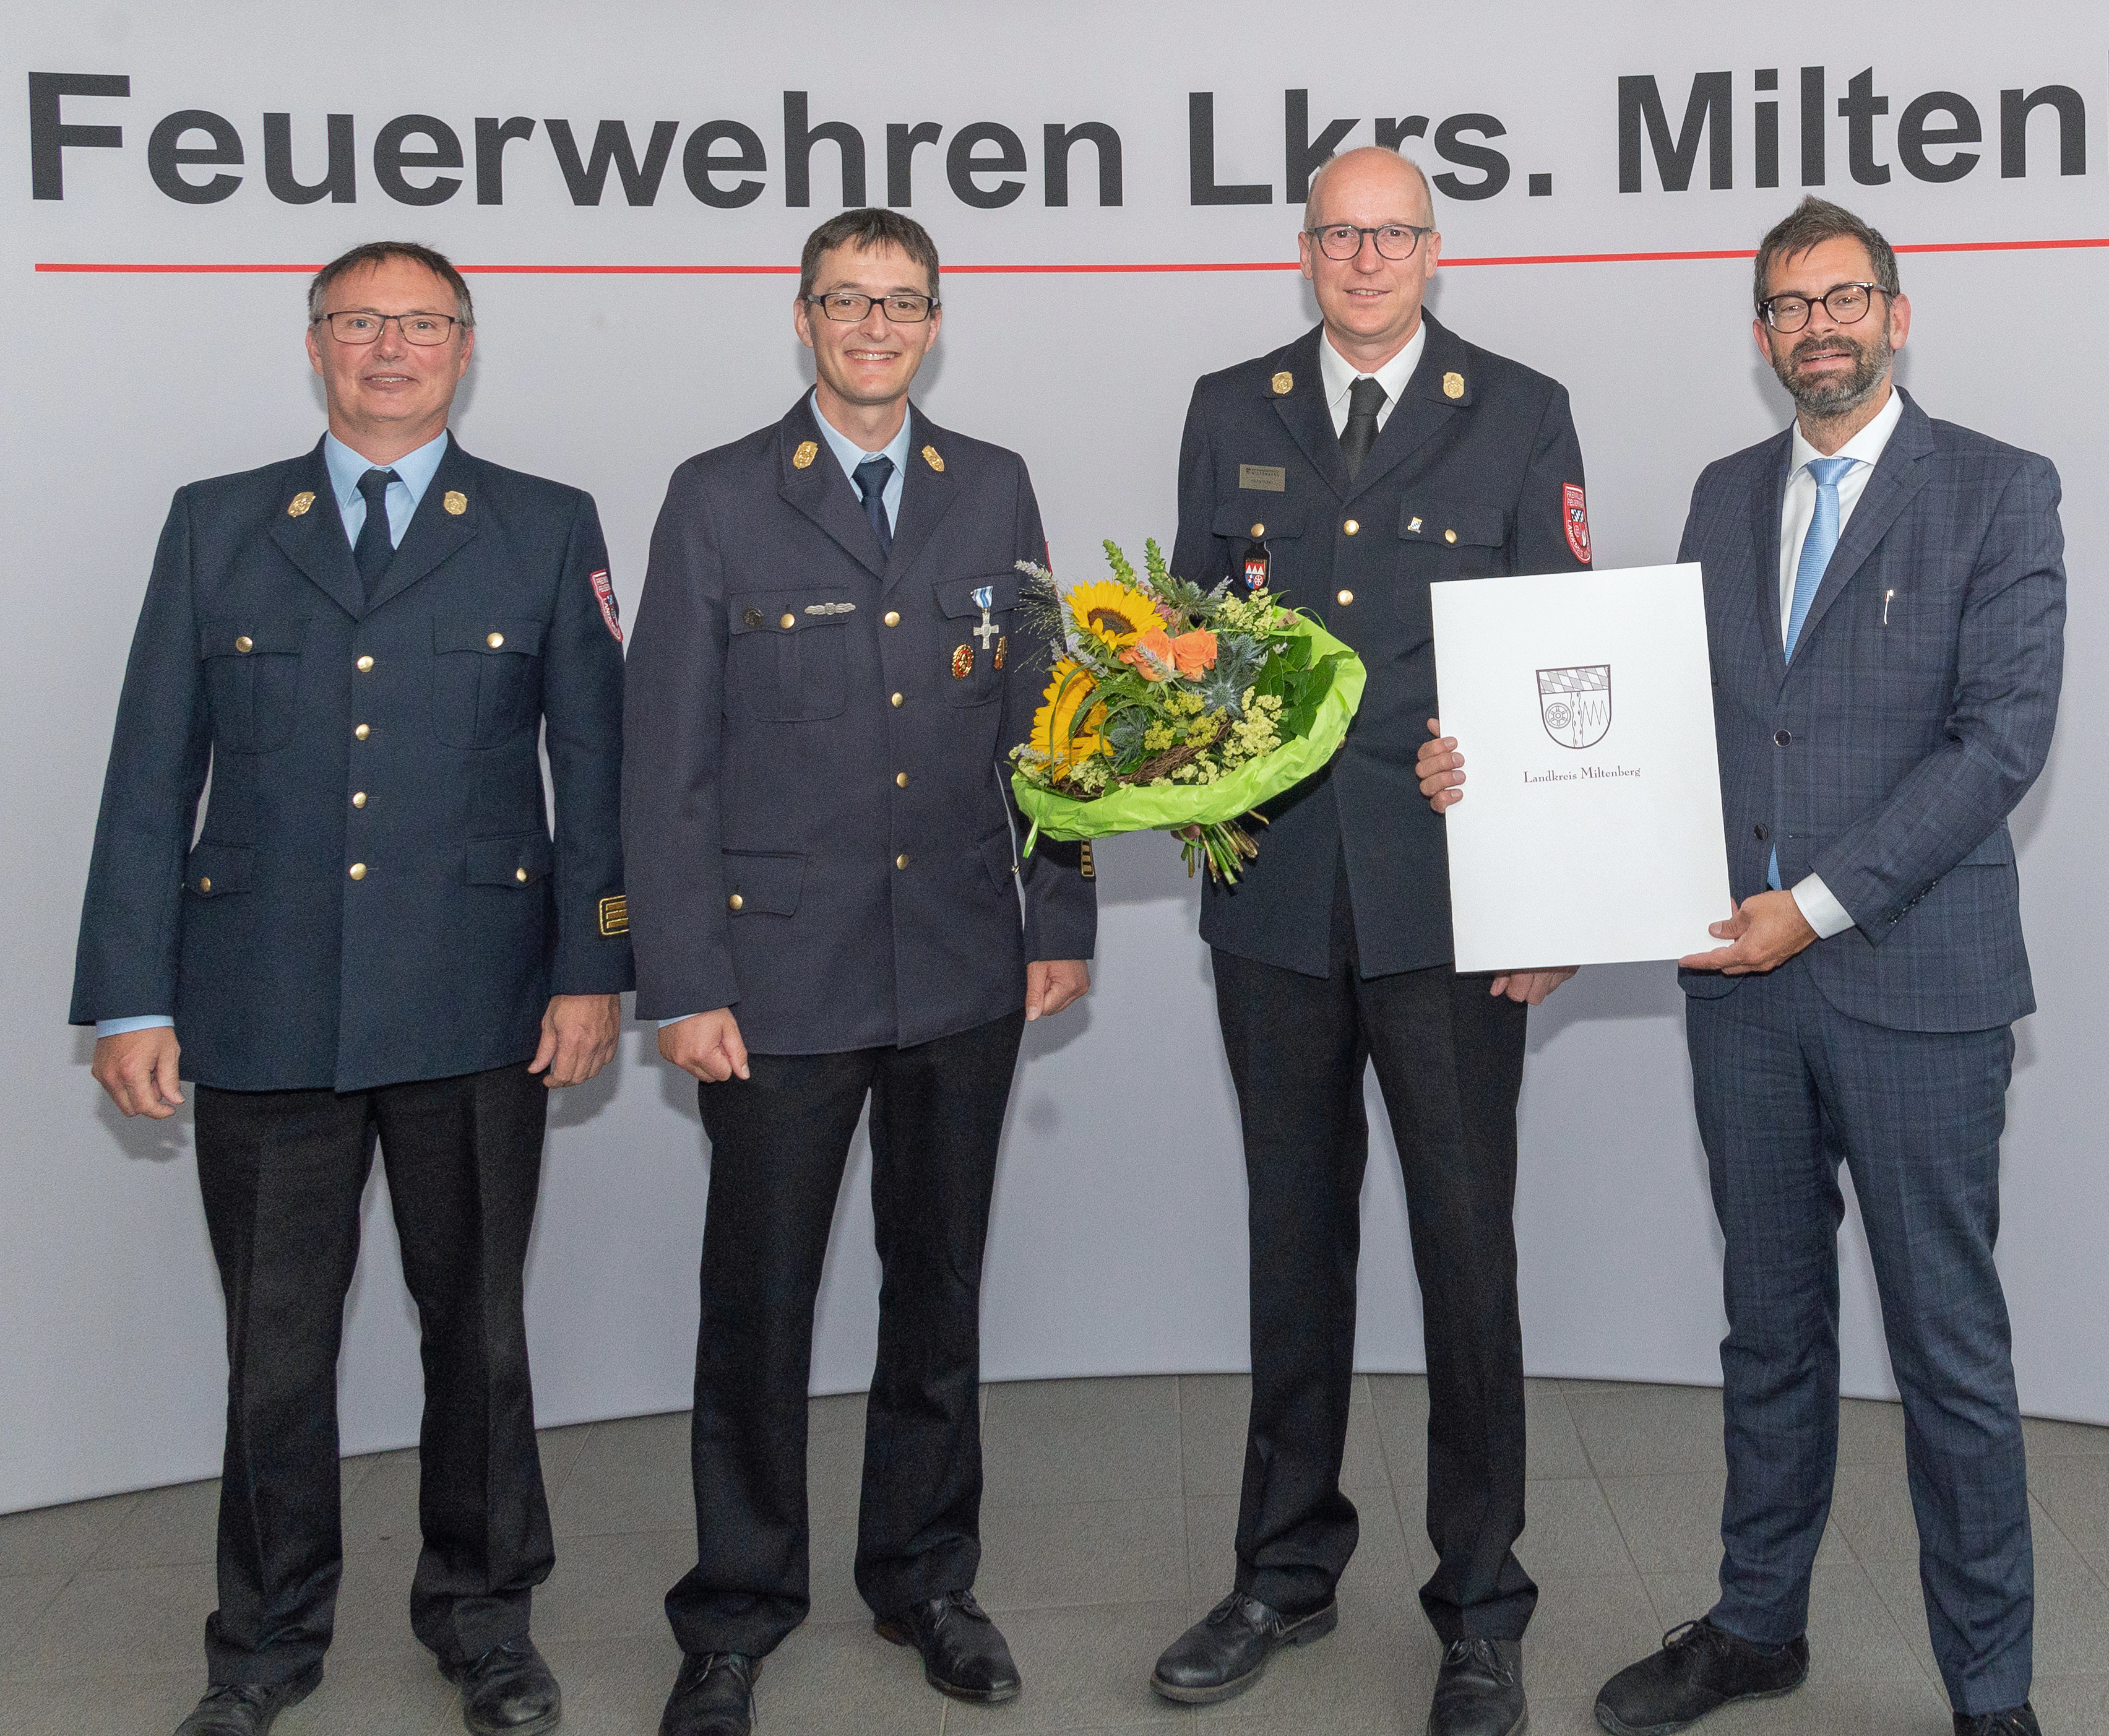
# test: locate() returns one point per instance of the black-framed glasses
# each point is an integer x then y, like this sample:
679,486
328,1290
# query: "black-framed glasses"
845,309
424,330
1847,304
1343,241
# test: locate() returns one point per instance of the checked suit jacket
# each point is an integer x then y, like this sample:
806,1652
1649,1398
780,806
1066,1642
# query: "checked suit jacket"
1916,712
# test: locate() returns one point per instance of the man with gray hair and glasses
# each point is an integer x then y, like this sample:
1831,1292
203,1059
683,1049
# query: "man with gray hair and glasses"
373,939
1885,613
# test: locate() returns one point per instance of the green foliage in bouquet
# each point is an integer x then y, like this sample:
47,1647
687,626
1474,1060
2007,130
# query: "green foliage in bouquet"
1171,707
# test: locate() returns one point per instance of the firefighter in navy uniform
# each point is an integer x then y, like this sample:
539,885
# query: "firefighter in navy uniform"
829,672
375,937
1376,455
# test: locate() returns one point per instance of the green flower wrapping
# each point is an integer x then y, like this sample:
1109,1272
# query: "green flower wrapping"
1171,709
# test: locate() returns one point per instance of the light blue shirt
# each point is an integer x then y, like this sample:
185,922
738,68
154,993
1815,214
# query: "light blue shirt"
413,475
849,454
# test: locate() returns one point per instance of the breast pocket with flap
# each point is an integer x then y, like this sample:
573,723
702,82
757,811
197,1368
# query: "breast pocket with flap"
486,678
981,619
252,680
785,658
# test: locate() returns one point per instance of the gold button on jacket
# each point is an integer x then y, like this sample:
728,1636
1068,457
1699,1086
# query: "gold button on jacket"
359,871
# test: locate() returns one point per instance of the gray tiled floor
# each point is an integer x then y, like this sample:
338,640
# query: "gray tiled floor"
1106,1528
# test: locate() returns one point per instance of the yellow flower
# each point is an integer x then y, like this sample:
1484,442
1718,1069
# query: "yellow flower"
1058,731
1117,614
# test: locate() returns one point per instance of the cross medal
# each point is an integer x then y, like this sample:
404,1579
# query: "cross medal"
984,600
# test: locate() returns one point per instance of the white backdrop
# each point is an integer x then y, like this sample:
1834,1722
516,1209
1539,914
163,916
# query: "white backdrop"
1118,1243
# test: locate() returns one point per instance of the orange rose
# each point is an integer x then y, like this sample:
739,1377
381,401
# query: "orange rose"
1158,642
1194,652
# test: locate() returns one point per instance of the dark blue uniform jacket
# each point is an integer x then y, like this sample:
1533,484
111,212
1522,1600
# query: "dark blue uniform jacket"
817,813
1468,478
375,896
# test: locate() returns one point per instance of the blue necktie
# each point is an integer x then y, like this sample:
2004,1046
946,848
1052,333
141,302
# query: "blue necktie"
375,548
872,476
1819,546
1817,549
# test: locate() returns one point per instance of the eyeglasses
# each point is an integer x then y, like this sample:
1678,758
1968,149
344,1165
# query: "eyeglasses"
1343,241
424,330
845,309
1846,303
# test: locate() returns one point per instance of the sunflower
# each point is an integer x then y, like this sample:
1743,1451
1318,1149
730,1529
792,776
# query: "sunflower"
1058,731
1117,614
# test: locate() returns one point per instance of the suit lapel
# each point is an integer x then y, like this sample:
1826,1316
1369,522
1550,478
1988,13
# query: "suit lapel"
1898,476
313,540
1423,408
820,490
435,533
1765,534
927,495
1303,412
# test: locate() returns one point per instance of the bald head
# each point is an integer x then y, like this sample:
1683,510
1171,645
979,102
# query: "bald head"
1372,173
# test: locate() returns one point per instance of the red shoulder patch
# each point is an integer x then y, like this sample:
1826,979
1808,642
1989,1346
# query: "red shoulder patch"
605,593
1575,511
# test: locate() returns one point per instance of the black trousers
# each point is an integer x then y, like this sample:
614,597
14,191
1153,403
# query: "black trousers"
780,1141
1449,1060
281,1172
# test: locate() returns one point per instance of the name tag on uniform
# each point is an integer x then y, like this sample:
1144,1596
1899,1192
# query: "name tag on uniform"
1271,478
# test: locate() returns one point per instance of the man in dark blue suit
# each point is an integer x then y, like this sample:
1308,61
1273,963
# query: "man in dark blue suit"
1350,471
373,937
1885,610
829,674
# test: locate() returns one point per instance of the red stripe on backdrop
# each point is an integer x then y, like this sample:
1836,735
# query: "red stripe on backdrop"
1510,259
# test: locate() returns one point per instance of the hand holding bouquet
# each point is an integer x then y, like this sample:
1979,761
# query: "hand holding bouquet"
1173,707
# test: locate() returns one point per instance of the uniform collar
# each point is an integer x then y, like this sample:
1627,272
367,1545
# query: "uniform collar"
1865,447
413,470
1338,375
849,454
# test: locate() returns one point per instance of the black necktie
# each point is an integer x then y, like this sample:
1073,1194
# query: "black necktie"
872,476
1365,399
374,550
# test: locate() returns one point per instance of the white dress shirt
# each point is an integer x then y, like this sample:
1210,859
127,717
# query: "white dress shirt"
1819,908
1337,375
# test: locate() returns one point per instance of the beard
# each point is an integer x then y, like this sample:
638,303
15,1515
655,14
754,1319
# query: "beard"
1837,394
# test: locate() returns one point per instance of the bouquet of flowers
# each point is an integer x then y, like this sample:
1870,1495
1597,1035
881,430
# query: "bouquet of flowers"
1173,707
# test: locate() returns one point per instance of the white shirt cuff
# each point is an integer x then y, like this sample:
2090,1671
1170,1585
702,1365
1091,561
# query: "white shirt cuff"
118,1027
1819,910
681,1018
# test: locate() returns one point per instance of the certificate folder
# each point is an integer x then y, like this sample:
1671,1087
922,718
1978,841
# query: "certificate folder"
1591,829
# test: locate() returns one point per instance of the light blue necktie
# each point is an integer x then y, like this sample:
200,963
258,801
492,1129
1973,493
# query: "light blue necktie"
1817,549
1819,546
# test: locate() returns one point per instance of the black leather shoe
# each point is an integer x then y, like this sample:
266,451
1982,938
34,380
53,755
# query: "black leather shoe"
246,1709
963,1653
712,1696
2015,1720
507,1691
1479,1690
1226,1651
1700,1669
